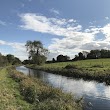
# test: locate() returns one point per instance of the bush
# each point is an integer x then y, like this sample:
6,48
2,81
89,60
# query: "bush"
17,76
97,66
53,105
28,90
71,67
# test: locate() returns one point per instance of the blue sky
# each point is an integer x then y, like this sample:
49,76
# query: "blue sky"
64,26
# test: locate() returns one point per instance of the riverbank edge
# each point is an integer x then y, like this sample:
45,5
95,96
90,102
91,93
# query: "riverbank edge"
45,93
75,73
10,97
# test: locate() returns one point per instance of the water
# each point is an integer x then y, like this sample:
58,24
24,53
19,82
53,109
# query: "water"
96,95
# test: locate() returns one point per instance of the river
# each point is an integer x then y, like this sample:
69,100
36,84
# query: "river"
96,95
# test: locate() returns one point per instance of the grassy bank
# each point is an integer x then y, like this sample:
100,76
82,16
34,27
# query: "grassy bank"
10,98
41,96
94,69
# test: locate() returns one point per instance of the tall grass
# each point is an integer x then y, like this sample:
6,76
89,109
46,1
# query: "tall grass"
43,97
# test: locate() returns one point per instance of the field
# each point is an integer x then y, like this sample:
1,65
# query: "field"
91,65
97,69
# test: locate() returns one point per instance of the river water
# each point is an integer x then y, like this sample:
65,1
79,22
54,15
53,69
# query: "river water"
96,95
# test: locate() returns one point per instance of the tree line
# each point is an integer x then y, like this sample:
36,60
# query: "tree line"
9,60
38,54
93,54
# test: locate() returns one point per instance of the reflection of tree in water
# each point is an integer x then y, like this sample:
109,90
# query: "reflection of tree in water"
38,74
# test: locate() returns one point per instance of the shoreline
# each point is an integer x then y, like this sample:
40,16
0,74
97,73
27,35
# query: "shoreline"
75,73
42,96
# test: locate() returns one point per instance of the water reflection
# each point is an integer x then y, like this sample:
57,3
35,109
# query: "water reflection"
98,94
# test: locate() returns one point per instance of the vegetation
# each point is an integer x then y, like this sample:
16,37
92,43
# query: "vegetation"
97,69
8,60
93,54
10,98
37,53
41,96
62,58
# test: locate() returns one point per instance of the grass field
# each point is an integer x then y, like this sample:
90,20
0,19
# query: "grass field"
98,69
91,65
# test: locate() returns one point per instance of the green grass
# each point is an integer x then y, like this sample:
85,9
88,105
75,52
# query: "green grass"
19,92
10,98
41,96
91,65
97,69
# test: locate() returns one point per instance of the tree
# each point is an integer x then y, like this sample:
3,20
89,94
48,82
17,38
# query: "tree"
10,58
76,58
53,60
61,58
81,56
37,53
94,54
16,61
3,60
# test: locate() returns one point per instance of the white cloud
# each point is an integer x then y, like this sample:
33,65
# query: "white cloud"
2,23
74,38
18,49
106,31
54,11
42,24
107,18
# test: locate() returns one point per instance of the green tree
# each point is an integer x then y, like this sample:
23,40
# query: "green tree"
62,58
37,53
10,58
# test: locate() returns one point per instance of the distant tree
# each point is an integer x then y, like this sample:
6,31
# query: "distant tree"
105,53
3,60
94,54
10,58
16,61
81,56
53,60
85,53
76,58
61,58
37,53
26,62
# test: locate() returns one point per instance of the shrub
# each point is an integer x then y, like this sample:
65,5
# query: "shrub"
97,66
28,90
71,67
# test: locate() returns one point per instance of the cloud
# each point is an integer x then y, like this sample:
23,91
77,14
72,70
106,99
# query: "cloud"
107,18
39,23
74,37
106,32
2,23
29,0
54,11
17,49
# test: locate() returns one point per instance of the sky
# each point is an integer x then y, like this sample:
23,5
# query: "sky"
63,26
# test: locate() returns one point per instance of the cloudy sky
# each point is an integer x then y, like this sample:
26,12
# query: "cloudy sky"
63,26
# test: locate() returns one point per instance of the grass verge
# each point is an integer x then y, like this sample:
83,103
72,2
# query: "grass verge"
10,98
41,96
94,69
